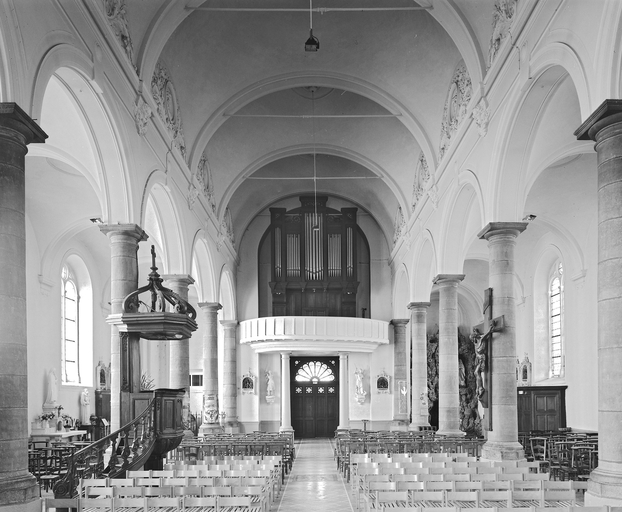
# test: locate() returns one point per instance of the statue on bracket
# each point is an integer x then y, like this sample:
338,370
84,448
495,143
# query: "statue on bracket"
269,387
359,390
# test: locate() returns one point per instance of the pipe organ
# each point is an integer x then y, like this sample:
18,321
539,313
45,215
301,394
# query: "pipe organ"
314,260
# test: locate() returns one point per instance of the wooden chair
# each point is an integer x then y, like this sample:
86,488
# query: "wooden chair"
236,504
539,451
56,503
199,504
95,505
427,498
462,499
497,499
527,499
162,504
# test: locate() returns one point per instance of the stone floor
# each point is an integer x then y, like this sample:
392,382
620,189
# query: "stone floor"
314,484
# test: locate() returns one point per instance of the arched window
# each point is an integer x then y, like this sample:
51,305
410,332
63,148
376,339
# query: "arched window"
76,323
315,371
70,328
556,321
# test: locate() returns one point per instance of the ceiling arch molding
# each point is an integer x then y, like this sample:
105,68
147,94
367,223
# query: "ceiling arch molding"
512,146
202,261
322,79
424,266
325,149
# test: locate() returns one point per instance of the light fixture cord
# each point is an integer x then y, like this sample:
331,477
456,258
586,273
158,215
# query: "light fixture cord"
311,16
314,155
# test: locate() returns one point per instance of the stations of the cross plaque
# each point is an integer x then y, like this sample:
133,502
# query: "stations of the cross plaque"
482,338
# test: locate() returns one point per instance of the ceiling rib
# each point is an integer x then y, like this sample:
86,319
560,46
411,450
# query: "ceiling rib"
320,10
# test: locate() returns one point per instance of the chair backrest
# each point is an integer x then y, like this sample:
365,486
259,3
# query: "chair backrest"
127,492
439,486
139,473
217,491
462,498
410,486
468,486
205,503
166,491
393,497
95,504
188,490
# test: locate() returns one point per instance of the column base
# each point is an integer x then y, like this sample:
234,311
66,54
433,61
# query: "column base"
451,433
604,488
210,428
286,429
18,490
232,427
401,425
502,451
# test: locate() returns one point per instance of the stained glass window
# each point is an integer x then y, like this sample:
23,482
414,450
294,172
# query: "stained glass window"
315,372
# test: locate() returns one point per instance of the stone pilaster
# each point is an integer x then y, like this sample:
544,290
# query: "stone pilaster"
210,366
179,350
502,443
419,385
605,127
448,366
17,130
286,404
124,239
344,403
400,374
230,374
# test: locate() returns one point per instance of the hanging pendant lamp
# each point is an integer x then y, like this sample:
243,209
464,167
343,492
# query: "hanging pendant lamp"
312,44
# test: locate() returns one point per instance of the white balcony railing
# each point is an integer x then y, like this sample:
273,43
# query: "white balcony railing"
322,334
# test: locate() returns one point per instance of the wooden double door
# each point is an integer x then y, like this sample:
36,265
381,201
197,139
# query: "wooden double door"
314,396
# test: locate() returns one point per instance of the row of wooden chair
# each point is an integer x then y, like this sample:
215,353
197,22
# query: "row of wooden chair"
154,504
385,494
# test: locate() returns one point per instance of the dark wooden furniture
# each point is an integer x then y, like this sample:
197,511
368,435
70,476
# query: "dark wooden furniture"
541,408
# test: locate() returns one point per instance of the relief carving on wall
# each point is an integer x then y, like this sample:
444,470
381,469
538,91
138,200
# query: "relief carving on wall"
226,229
481,116
164,95
142,114
117,19
422,176
458,98
205,181
502,17
399,225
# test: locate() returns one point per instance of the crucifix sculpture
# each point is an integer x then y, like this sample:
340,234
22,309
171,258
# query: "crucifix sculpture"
481,338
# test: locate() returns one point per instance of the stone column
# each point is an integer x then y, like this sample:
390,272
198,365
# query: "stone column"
605,127
344,403
286,404
230,375
502,443
419,385
210,367
17,130
400,374
179,351
448,371
124,239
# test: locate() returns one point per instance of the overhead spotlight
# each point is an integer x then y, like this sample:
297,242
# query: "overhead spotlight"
97,220
529,218
312,44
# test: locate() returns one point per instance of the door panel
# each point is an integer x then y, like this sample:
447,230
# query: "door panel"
315,405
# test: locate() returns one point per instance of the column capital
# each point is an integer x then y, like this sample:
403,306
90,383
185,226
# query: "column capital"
229,324
210,306
448,278
608,113
418,305
182,279
132,230
399,321
12,117
502,228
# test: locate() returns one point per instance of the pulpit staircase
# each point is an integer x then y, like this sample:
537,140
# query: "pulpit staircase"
143,442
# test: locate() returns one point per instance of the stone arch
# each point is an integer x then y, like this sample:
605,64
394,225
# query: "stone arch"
424,268
324,149
168,219
76,71
227,295
203,269
460,225
401,293
514,145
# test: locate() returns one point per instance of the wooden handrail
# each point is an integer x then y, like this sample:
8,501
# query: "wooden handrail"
138,439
